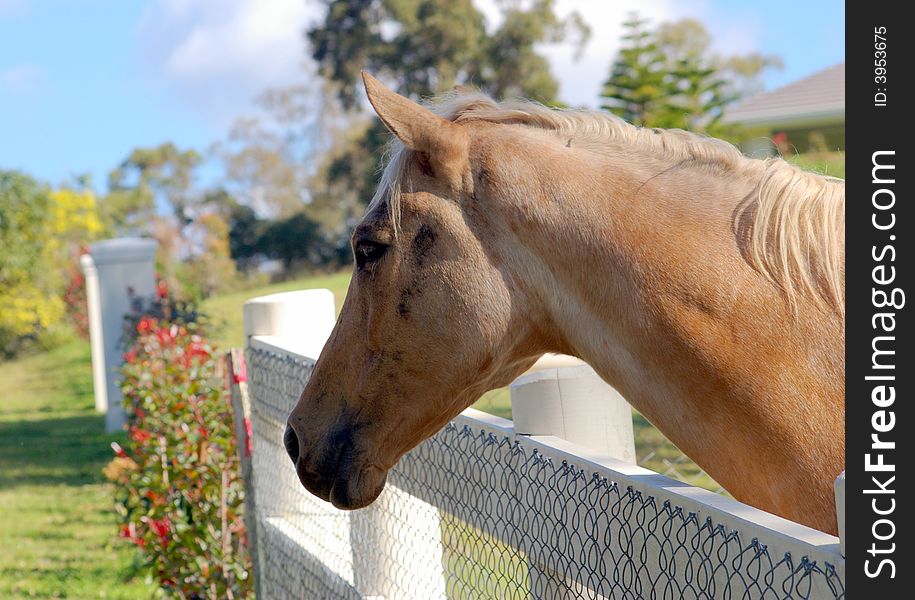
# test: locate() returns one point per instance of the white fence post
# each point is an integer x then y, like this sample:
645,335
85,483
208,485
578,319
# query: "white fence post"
304,318
840,510
96,340
122,266
575,404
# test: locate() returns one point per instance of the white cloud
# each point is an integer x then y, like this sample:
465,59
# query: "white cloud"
217,55
581,80
21,78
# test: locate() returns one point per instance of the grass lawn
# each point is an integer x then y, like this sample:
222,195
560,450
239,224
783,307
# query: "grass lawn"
57,524
824,163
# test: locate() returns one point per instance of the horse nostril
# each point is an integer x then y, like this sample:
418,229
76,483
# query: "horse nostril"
291,441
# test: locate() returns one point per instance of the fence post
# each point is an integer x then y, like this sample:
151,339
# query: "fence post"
123,266
840,510
304,319
96,342
575,404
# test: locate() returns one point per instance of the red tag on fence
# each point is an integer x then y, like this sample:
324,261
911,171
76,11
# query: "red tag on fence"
248,436
240,370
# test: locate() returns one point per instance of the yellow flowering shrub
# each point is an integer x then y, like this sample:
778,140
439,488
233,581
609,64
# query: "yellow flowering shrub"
41,231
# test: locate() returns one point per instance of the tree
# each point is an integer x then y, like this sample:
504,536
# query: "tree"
425,47
421,48
294,239
245,230
265,156
637,86
703,84
211,269
147,180
163,172
669,77
513,67
39,229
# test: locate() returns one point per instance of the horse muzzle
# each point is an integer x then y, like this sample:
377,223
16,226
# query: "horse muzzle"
335,472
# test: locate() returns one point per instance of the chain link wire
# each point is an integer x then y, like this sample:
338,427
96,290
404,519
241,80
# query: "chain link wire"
473,514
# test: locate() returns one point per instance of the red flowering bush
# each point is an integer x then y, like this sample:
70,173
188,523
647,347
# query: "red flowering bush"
180,492
75,300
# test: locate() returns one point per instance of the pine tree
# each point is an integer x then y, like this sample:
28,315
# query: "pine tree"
699,99
636,88
668,77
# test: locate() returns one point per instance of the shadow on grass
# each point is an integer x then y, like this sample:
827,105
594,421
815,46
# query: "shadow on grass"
63,451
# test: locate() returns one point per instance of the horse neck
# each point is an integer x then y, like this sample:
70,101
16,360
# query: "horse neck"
632,252
640,275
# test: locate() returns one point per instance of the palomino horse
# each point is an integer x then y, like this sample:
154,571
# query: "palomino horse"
705,286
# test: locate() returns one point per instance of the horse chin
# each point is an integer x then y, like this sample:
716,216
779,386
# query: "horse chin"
358,491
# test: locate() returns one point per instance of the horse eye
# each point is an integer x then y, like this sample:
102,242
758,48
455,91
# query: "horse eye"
369,252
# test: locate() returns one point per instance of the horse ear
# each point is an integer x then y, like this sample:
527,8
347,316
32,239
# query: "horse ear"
442,142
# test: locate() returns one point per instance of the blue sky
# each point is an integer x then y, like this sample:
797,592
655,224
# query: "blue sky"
82,82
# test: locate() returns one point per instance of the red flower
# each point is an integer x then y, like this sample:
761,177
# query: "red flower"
166,335
129,532
145,325
118,451
160,527
139,435
196,348
130,356
162,289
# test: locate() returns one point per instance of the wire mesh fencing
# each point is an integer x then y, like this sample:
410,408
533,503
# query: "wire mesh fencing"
479,512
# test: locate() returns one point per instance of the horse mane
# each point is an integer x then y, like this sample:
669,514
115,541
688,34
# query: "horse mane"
790,228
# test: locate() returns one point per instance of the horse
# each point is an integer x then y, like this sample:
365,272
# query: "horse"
706,286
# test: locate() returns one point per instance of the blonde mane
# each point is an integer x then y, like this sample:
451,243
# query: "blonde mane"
790,228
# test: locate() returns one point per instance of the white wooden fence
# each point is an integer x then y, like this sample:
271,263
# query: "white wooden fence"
483,511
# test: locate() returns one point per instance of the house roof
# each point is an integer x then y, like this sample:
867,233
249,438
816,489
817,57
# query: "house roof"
817,98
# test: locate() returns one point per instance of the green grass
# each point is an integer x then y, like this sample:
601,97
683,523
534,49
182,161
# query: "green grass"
57,524
824,163
226,311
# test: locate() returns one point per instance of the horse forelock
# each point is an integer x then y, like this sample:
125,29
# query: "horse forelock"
790,229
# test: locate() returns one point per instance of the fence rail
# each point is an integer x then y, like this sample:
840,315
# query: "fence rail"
479,511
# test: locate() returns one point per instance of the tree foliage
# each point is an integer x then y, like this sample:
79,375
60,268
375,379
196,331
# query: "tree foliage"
424,47
161,172
669,77
40,231
420,48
